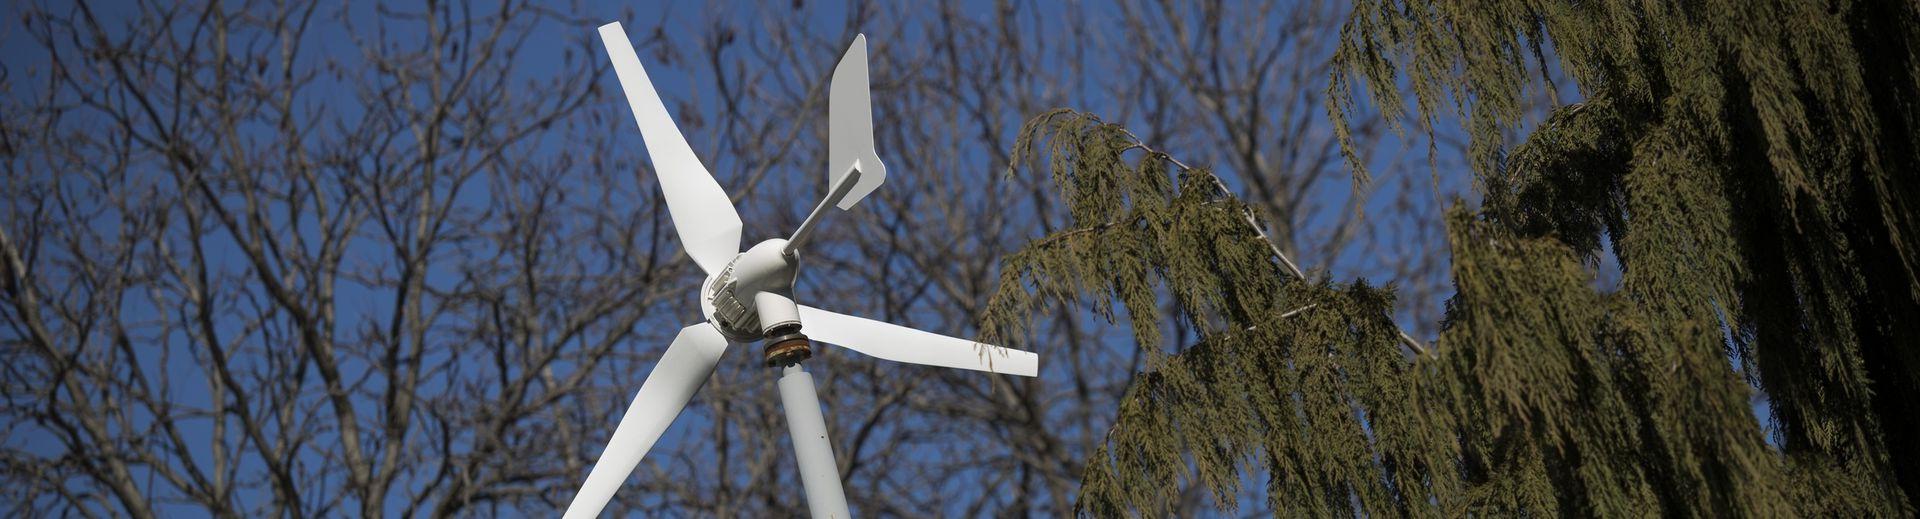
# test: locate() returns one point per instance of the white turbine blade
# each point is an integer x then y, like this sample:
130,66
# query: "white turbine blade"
850,127
679,374
903,344
704,216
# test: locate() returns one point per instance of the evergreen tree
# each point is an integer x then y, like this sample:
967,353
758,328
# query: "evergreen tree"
1747,163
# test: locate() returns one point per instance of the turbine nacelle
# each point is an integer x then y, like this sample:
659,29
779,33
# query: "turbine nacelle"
752,297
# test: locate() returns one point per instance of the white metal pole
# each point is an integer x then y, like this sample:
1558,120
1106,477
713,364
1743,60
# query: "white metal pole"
818,472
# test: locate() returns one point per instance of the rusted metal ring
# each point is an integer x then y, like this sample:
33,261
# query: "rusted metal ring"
790,348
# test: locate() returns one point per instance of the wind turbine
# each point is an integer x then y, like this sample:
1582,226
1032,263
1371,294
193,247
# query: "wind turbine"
748,296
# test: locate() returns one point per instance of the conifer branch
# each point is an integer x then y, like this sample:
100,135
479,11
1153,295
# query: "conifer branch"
1063,235
1285,260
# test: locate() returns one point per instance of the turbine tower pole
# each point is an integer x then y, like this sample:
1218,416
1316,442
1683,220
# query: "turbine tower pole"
819,474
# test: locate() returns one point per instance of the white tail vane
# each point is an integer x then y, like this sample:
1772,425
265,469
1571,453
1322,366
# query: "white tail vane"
850,126
701,211
854,169
748,296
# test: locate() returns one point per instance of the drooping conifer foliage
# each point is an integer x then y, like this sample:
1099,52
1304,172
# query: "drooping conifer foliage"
1749,166
1752,164
1302,380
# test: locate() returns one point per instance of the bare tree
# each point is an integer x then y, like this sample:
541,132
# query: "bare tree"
252,270
310,259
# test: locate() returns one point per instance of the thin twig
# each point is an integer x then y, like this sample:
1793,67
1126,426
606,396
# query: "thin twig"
1296,311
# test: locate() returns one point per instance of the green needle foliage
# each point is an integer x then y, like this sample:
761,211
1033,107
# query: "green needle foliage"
1304,381
1748,164
1751,163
